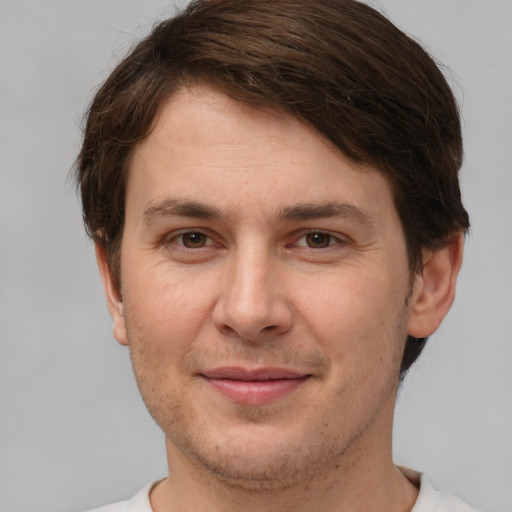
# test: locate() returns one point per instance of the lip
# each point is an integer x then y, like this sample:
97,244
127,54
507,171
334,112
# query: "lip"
254,387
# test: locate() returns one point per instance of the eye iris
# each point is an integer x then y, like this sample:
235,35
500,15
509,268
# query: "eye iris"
318,240
194,240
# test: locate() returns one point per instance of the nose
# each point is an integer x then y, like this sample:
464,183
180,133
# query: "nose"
252,302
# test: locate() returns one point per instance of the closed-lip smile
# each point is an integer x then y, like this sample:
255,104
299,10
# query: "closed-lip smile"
258,386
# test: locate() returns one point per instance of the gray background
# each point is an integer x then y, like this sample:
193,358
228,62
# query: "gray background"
73,430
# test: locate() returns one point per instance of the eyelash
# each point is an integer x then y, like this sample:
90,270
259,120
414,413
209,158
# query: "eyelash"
177,239
331,240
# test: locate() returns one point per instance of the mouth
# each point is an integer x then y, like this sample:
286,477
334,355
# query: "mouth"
254,387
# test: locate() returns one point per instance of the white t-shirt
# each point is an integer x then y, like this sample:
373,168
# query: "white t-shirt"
429,500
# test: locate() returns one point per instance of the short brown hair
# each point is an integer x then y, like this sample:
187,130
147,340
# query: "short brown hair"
337,65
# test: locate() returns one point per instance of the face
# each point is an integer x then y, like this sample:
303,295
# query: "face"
265,291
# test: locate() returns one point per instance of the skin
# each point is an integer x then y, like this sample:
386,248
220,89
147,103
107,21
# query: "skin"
249,242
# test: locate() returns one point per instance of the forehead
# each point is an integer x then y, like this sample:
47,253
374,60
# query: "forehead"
200,117
203,142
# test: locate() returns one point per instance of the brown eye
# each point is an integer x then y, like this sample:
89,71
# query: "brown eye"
194,240
318,240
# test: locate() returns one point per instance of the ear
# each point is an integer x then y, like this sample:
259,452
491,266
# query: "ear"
434,289
114,300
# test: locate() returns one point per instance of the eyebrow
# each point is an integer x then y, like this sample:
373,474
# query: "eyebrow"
306,211
298,212
183,208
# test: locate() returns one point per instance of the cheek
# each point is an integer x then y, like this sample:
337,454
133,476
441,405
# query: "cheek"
163,317
357,319
165,310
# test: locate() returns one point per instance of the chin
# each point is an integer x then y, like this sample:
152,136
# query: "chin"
257,471
259,458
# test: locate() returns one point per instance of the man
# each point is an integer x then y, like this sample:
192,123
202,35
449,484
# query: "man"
272,191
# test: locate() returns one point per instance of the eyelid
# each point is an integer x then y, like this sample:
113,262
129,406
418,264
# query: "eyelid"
170,238
336,237
173,239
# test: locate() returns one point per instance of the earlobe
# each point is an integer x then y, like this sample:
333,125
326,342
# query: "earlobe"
434,289
114,301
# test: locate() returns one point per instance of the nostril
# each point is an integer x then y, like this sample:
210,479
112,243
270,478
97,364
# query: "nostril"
270,328
226,329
